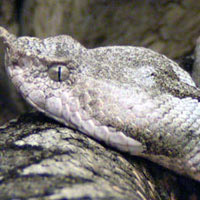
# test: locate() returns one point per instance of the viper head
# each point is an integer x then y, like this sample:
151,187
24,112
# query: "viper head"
42,68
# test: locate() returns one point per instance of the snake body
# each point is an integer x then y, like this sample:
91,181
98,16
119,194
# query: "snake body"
131,98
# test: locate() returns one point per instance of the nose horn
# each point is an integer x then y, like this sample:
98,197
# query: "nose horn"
7,37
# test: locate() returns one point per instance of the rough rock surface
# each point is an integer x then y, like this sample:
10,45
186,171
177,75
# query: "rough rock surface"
44,159
41,159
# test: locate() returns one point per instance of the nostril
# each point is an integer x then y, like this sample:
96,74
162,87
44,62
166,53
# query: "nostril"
10,63
14,62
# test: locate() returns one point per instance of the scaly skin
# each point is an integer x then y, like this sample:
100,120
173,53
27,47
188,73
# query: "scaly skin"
132,98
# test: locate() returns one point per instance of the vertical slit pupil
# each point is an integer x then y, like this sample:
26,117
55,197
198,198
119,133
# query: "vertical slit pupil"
59,73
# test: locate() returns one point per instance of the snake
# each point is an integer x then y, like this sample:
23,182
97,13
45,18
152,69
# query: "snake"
131,98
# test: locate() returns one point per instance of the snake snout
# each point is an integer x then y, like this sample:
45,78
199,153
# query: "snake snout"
7,37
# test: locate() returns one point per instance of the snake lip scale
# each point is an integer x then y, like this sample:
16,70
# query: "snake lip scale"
131,98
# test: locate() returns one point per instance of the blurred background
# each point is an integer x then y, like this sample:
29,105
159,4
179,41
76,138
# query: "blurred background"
168,27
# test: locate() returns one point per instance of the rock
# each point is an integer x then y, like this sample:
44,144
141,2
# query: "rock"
42,159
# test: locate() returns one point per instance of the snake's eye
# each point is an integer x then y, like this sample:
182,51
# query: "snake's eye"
58,72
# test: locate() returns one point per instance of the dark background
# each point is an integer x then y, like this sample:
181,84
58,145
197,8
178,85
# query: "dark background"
169,27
